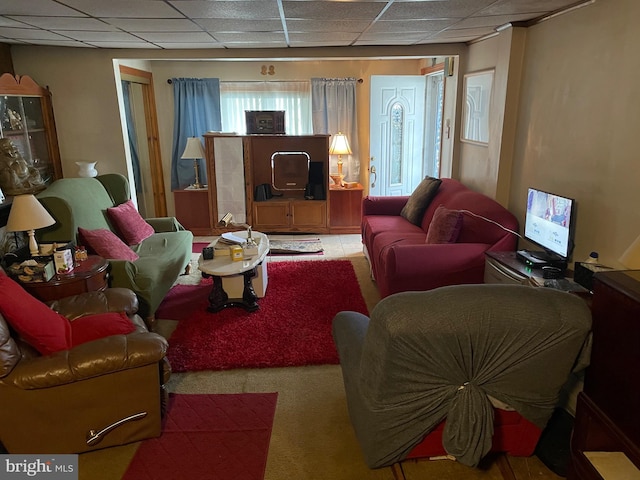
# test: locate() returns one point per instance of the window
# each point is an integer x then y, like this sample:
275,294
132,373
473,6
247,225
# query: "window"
294,97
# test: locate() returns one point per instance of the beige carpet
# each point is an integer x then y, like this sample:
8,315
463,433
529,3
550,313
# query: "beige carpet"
312,437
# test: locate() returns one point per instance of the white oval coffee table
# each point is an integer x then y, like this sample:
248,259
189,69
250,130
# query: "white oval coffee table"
223,265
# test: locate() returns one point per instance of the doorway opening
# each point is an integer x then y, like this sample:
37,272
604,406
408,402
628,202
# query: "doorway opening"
144,149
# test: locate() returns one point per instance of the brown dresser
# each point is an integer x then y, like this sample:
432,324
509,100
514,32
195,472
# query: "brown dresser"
608,411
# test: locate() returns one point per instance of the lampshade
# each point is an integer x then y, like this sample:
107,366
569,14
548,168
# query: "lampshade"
631,256
194,148
339,145
27,213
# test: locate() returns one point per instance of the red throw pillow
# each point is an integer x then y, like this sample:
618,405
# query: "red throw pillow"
445,226
44,329
100,325
107,244
129,223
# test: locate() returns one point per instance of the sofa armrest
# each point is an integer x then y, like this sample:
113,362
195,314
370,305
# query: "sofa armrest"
383,205
87,360
349,330
90,303
164,224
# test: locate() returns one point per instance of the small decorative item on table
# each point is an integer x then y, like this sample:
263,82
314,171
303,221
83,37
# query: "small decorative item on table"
32,270
63,259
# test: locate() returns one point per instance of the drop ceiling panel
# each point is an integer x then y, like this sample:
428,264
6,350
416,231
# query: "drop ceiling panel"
260,23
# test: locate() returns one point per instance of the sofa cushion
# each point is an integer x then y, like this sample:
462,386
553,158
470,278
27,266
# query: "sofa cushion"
129,223
42,328
445,226
107,244
92,327
420,199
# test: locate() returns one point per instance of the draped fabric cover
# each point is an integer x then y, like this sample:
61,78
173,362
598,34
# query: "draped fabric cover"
445,353
334,110
196,112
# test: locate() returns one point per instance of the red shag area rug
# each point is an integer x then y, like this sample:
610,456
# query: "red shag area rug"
291,328
209,437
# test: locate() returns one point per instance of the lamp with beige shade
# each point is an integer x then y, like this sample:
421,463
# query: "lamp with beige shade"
339,146
27,215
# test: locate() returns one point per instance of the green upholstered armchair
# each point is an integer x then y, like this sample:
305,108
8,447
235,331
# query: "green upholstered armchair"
83,203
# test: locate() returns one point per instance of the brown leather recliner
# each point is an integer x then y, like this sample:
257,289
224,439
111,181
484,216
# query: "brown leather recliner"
98,394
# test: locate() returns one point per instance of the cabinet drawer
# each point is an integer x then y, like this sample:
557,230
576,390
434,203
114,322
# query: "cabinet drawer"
496,273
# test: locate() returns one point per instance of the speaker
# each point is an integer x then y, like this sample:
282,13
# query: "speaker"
315,187
316,173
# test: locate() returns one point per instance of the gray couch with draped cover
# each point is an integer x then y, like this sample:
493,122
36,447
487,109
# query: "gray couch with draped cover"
454,353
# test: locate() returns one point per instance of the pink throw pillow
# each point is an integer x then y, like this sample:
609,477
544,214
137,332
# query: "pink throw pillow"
445,226
129,223
44,329
107,244
100,325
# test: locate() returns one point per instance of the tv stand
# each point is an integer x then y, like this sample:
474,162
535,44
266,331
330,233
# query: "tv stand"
540,259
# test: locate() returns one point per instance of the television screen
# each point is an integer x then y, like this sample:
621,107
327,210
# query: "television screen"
549,222
290,170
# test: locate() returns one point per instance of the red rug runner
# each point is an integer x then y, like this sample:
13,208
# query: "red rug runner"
291,328
209,437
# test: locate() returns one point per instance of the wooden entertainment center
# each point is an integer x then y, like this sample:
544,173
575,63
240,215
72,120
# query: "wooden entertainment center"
238,166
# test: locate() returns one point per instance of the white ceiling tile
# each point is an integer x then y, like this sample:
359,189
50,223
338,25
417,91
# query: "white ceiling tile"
29,34
124,8
254,37
228,9
86,36
64,23
332,10
406,26
145,45
176,46
46,8
327,25
154,24
176,37
236,25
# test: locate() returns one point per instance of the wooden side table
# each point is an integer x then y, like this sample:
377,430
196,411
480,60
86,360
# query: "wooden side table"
88,276
345,214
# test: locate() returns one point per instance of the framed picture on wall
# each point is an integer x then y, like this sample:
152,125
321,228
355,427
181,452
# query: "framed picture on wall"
476,106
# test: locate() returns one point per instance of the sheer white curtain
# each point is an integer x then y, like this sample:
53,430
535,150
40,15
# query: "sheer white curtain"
334,110
294,97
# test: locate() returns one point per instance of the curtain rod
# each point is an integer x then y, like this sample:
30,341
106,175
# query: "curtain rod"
169,81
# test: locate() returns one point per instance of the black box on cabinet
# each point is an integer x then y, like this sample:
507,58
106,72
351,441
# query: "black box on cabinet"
264,121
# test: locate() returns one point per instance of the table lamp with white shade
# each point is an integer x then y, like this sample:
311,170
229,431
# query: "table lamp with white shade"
194,150
339,146
27,215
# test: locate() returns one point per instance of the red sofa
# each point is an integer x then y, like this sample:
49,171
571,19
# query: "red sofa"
399,256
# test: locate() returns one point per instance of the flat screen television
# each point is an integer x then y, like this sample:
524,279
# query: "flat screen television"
550,224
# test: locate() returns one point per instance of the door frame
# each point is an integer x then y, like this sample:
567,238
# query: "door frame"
145,79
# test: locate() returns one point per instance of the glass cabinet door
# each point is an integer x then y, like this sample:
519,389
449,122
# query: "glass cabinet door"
26,118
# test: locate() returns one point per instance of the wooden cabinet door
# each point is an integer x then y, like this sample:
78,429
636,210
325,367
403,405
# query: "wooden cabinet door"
308,213
270,215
